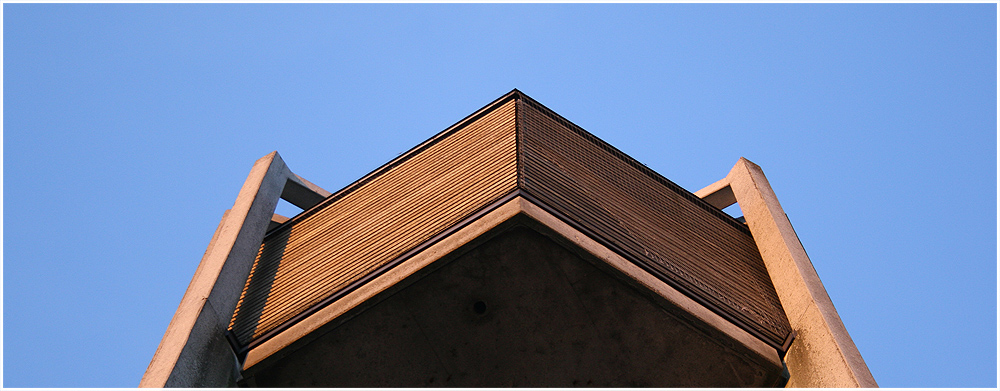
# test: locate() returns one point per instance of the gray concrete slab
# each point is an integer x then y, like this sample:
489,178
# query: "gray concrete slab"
823,354
193,351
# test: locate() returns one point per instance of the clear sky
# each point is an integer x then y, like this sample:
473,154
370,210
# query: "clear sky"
129,129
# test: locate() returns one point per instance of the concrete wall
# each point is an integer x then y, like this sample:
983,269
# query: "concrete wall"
517,310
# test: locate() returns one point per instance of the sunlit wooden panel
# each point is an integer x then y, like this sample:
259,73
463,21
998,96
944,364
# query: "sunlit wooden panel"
355,232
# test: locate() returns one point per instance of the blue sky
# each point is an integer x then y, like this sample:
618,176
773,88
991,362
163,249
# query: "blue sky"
129,129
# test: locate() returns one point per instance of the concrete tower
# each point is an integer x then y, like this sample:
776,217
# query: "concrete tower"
512,249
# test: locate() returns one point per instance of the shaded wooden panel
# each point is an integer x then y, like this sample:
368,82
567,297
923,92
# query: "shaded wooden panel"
390,213
698,249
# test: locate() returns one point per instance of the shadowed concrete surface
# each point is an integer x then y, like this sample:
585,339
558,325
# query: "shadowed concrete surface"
517,310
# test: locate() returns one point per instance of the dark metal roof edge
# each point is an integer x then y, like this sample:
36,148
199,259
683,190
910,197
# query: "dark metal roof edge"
634,163
513,94
516,95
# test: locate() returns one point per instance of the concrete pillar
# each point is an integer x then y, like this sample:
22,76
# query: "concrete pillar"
823,354
194,351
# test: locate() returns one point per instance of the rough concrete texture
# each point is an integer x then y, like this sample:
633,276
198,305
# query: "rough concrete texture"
206,360
823,354
193,351
516,310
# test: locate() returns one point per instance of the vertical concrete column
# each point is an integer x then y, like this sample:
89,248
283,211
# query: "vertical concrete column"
194,351
823,354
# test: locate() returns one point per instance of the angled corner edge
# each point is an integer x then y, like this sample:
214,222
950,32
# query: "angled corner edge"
517,205
192,352
384,281
718,194
824,355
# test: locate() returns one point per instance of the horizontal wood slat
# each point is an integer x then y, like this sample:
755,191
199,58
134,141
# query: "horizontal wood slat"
587,181
299,266
514,143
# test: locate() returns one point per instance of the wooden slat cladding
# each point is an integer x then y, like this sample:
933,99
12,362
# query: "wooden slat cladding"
513,143
649,218
381,219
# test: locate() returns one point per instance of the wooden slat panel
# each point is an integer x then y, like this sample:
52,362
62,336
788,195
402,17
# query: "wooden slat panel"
650,219
378,221
696,247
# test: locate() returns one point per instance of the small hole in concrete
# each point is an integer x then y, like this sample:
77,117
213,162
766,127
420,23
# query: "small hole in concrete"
479,307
